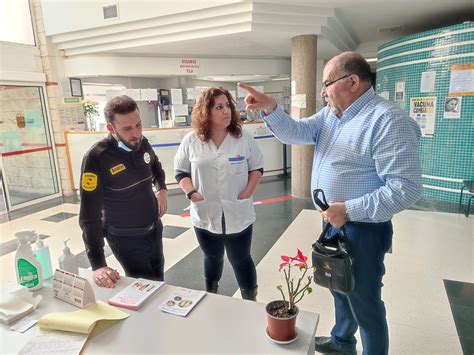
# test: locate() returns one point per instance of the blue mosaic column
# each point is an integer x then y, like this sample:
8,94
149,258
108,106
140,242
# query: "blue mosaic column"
447,154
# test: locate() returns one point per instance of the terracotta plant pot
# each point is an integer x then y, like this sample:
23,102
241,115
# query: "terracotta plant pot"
281,324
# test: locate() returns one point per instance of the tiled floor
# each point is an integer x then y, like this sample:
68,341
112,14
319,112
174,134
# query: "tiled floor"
428,291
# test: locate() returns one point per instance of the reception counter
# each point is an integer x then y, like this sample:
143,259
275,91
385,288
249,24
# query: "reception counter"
165,142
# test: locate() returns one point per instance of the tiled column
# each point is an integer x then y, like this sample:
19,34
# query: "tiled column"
303,80
53,94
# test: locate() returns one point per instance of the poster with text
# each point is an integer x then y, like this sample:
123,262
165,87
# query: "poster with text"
423,111
461,82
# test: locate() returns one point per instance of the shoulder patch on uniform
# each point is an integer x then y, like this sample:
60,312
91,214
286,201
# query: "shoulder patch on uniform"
89,181
117,168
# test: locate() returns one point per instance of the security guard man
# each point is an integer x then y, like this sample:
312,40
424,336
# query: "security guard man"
117,199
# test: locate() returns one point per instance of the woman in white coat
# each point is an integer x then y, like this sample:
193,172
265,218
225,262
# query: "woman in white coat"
218,166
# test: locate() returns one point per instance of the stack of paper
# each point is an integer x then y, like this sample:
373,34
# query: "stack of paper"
16,304
182,301
134,295
82,321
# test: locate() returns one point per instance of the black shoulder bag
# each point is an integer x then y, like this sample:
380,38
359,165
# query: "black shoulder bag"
331,258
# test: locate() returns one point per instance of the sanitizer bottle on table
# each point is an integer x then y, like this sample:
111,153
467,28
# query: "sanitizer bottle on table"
42,254
67,261
28,269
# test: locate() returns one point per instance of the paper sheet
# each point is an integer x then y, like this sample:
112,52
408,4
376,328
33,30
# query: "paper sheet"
81,321
54,343
24,324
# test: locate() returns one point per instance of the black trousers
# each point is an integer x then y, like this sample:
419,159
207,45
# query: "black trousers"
237,247
140,255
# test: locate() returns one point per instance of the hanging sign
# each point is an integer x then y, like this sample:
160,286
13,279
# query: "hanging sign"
189,66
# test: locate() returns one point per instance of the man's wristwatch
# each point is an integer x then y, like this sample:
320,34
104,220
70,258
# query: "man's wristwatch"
191,193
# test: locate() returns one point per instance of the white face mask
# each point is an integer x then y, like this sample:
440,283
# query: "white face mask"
122,145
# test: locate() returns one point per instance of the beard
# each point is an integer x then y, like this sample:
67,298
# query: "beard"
335,111
133,145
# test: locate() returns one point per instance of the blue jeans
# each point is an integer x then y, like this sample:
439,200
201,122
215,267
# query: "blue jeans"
237,247
364,308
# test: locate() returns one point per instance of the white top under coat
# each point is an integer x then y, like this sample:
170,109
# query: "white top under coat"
219,175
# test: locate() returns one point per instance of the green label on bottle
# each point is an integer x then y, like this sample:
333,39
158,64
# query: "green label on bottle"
28,273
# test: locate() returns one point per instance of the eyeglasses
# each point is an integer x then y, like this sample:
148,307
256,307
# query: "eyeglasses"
328,84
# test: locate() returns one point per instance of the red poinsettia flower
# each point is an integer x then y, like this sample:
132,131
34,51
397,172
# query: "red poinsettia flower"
300,258
286,259
296,286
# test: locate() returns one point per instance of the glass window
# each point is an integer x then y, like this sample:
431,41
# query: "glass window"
29,170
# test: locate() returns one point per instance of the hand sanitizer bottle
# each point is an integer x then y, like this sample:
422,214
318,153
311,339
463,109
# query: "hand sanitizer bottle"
67,261
42,254
28,269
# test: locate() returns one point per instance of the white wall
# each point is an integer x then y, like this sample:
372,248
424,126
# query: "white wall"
85,14
90,66
20,62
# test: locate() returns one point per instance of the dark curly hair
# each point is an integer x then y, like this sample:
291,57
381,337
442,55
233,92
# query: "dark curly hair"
201,116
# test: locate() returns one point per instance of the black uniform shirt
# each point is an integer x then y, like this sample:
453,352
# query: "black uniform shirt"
116,190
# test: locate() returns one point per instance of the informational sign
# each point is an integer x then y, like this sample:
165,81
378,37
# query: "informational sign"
72,117
133,93
400,91
110,94
428,80
72,289
189,66
400,94
423,111
298,101
176,96
462,80
190,93
149,94
179,110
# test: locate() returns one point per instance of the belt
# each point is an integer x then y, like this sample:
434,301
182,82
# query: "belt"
129,232
365,223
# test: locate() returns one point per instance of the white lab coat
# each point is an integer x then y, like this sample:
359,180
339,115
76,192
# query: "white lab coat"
219,175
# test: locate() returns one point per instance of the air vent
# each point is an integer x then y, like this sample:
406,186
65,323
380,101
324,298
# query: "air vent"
110,12
390,29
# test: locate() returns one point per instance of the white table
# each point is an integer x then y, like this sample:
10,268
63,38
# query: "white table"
217,325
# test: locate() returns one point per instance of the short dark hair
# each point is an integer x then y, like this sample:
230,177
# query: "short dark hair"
354,63
121,104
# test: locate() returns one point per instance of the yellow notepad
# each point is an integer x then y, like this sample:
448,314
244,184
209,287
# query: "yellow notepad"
82,321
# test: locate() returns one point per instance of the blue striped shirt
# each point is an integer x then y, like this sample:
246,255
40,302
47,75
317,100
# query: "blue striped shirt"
367,158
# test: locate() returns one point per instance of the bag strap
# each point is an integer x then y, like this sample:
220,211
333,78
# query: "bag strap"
322,203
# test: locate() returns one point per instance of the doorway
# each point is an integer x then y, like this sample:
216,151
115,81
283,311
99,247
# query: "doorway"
28,163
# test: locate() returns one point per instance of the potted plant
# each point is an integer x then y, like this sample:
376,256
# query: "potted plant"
91,110
281,314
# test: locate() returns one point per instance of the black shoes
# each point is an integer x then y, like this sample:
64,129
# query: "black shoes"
324,345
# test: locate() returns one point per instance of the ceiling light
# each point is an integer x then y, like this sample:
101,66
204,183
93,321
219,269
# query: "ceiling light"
369,60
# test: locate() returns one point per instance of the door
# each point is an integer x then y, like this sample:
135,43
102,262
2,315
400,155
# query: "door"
28,161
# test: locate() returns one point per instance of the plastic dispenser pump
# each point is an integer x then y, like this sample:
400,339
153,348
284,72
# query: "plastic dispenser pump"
67,261
28,269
